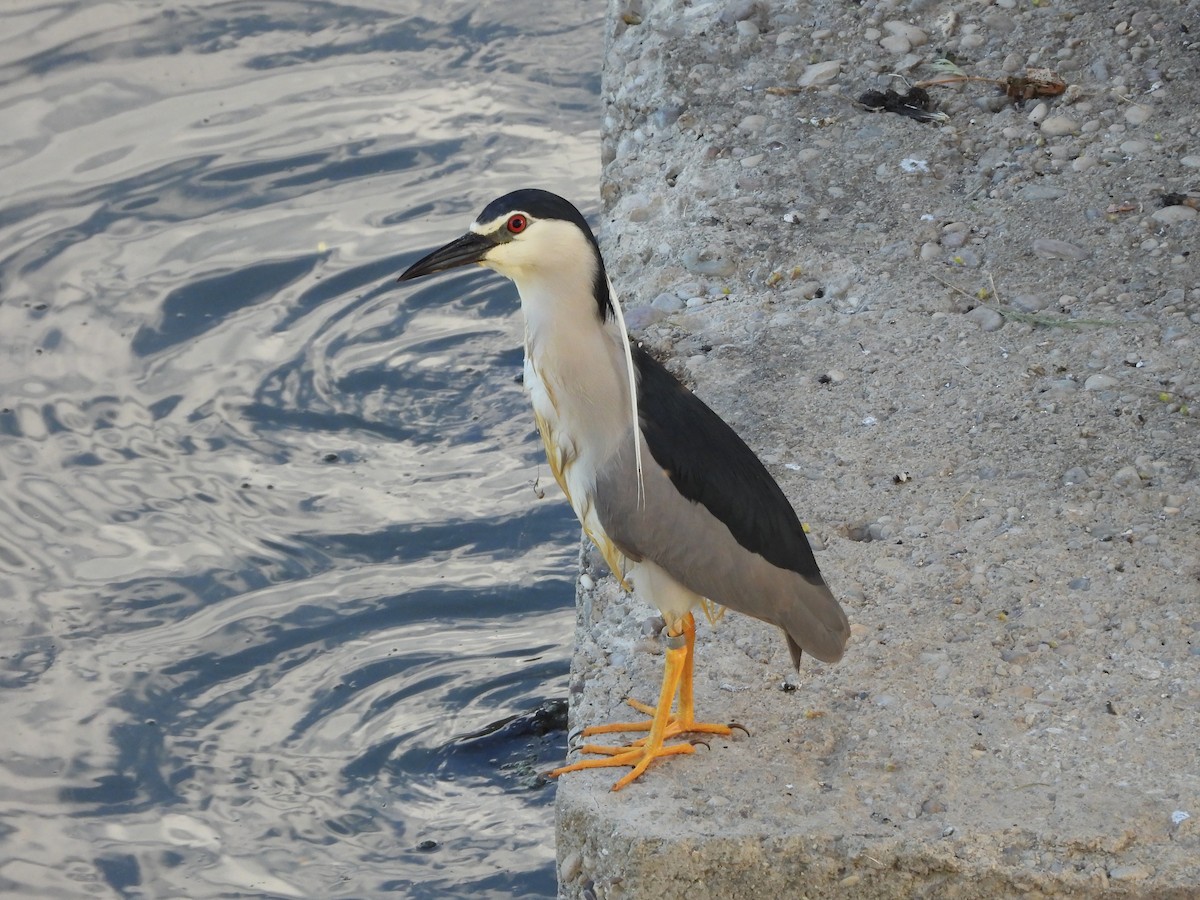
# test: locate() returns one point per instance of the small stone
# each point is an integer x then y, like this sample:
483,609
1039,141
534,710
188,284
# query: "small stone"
911,33
1173,215
1137,114
820,73
1080,584
1127,476
1192,162
570,867
666,116
652,626
639,318
1030,302
1099,383
1137,872
640,208
752,124
702,263
952,240
1058,126
1050,248
932,807
840,286
895,43
667,303
1038,114
747,29
1076,475
1041,192
986,318
738,11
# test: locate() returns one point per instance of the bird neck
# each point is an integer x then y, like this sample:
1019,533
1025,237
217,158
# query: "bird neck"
578,361
564,331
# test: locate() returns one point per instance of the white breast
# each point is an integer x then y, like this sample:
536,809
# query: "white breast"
579,392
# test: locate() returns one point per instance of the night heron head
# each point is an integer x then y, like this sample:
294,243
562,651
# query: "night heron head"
535,239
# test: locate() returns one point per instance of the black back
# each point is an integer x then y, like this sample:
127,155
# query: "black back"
709,464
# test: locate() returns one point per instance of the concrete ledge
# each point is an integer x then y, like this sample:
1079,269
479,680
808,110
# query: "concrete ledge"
825,800
978,387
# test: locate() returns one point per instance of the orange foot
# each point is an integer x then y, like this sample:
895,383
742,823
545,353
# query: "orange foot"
662,725
677,724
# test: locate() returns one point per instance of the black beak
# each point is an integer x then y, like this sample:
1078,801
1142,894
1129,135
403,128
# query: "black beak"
470,248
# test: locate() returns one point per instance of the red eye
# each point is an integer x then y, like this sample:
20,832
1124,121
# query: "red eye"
516,224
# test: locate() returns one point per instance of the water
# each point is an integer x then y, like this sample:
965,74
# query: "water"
274,576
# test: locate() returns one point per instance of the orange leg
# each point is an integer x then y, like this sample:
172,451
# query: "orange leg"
683,722
677,679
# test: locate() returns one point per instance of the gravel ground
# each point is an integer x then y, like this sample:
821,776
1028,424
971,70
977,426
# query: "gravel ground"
968,350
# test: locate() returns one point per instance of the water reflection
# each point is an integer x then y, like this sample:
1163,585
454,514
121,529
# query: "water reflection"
283,613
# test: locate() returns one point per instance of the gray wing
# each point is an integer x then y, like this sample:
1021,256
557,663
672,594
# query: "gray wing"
715,519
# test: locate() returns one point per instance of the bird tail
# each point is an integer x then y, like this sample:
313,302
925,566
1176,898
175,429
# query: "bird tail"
818,620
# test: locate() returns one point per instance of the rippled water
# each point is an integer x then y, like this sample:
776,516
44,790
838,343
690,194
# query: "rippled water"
275,575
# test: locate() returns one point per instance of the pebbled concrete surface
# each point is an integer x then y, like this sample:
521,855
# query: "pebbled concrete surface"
968,351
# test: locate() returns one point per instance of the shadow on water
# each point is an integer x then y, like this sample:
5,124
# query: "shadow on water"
284,615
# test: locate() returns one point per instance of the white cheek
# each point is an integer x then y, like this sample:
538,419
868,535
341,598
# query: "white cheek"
507,258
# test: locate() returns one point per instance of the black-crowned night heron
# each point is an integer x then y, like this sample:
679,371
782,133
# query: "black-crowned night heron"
671,496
